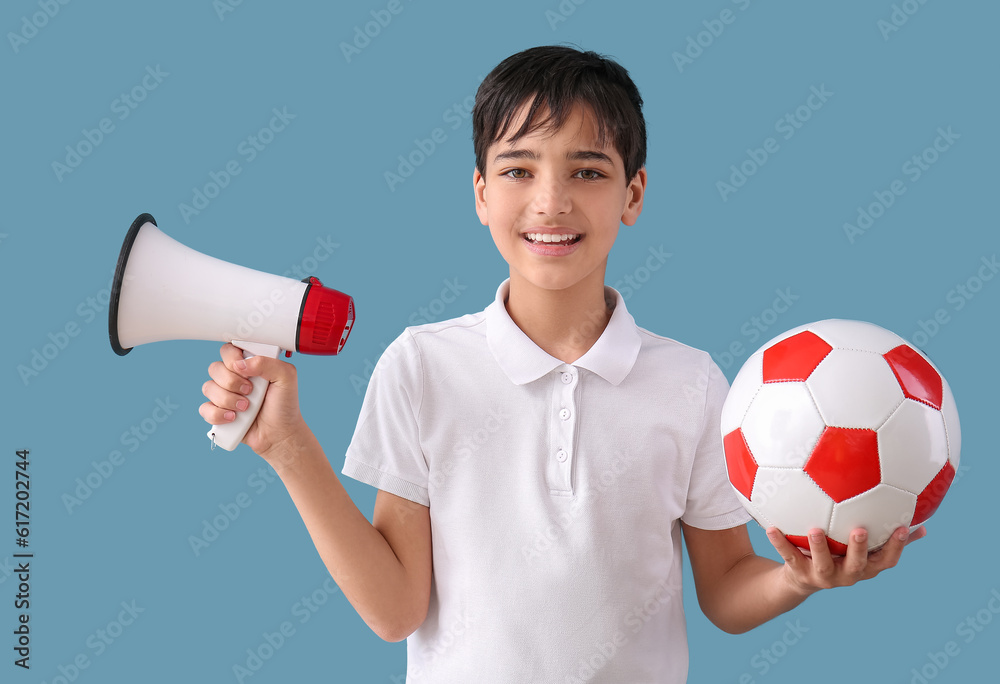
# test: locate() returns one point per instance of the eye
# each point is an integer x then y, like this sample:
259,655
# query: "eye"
589,174
517,174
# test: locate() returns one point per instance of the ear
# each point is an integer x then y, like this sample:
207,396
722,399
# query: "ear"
479,187
633,199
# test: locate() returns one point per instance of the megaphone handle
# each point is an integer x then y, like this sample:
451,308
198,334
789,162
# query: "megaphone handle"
229,435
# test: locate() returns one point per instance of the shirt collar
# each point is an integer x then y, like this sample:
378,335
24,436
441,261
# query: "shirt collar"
611,357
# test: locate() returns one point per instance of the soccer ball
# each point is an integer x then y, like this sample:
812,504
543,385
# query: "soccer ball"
838,425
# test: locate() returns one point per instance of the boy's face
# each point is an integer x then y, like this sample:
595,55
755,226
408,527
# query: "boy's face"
554,200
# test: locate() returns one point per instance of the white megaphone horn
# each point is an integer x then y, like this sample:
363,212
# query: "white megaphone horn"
164,290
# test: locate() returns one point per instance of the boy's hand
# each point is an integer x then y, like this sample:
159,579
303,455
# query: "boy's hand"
807,575
279,418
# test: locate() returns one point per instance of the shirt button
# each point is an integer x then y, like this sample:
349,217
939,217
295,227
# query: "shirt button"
567,378
564,414
561,455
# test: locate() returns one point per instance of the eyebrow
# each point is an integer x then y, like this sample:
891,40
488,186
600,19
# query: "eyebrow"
577,155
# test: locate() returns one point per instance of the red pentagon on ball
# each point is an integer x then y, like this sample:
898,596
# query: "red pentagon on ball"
740,462
929,499
916,376
794,358
845,462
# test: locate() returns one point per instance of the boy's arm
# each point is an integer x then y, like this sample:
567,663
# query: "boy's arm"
383,567
739,590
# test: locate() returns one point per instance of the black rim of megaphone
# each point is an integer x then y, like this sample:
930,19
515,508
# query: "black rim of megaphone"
116,286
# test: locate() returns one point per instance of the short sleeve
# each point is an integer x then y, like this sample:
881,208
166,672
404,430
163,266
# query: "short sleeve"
711,502
385,449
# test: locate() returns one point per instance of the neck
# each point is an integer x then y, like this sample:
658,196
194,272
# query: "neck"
564,323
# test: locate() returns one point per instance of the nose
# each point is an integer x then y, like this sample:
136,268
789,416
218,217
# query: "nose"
551,197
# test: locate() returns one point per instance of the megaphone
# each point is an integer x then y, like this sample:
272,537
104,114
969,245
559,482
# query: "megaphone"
163,290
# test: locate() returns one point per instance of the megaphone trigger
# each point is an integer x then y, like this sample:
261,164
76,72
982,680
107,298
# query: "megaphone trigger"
229,435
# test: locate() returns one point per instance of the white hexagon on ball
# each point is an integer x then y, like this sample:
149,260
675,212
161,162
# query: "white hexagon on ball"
790,500
782,425
845,334
880,510
751,509
855,389
741,393
912,446
950,413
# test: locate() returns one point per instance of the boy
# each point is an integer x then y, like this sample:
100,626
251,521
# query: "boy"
546,453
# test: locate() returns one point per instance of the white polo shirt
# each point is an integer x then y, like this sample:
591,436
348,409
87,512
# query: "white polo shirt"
555,492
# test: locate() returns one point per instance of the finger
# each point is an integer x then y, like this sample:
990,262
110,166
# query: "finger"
271,369
215,415
223,398
227,379
786,549
822,559
889,554
232,356
857,554
919,533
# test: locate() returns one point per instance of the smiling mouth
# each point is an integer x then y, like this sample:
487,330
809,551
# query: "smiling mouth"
549,239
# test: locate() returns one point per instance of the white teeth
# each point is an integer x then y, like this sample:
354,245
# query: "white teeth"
547,237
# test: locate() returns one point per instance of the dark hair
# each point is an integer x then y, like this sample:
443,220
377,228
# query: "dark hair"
557,78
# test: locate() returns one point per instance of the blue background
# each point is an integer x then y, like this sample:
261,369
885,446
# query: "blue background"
321,180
